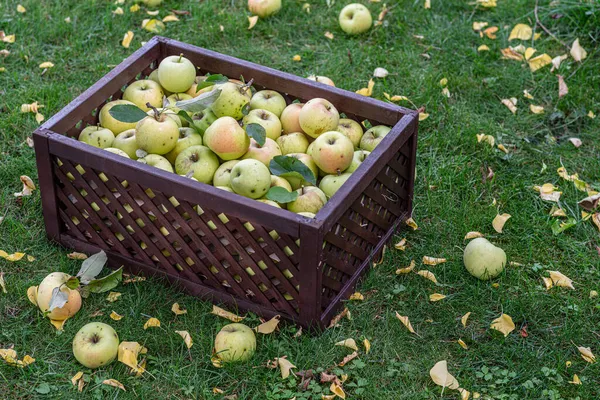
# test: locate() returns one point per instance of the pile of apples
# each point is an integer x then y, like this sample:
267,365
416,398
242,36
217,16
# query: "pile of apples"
223,132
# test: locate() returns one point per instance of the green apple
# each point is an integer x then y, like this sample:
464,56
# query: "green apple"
250,178
310,199
126,141
351,129
232,100
203,119
264,153
174,98
176,74
355,19
307,160
187,137
193,90
97,136
357,159
235,342
223,173
307,214
269,202
318,116
169,113
152,3
321,79
332,152
96,345
154,160
227,138
107,121
157,134
267,120
199,159
295,142
117,152
144,91
225,188
280,182
373,137
290,118
44,295
268,100
332,183
264,8
483,260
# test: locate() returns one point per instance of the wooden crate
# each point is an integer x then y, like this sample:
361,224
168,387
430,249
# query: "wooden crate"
234,250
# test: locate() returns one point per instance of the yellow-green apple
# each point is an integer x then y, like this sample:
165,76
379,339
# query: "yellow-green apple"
267,120
373,137
44,295
152,3
351,129
269,202
357,159
235,342
268,100
109,122
290,118
321,79
332,183
157,134
96,345
126,141
318,116
307,160
174,98
97,136
225,188
116,151
232,100
223,173
144,91
483,260
310,199
197,159
355,19
187,137
156,161
176,74
264,8
280,182
227,138
250,178
169,113
307,214
295,142
264,153
193,90
203,119
332,152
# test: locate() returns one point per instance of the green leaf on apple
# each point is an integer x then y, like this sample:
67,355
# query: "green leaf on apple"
281,195
127,113
246,109
286,166
212,80
186,116
92,266
72,283
199,103
258,133
105,284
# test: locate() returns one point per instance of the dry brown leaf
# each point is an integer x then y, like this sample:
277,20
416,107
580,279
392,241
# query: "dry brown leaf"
511,104
576,142
329,35
504,324
433,261
152,323
252,21
127,39
511,54
586,354
577,52
269,326
115,316
473,235
464,319
562,86
405,321
349,343
114,383
113,296
348,358
590,202
427,275
406,270
436,297
491,32
521,32
76,256
28,186
368,91
335,320
499,221
226,314
440,376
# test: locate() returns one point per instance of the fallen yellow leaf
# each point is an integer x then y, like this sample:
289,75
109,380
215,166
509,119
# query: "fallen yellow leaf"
297,58
401,245
527,95
511,54
30,258
436,297
368,91
483,47
511,104
473,235
128,354
504,324
423,116
529,52
46,65
2,283
349,343
591,114
427,275
114,383
21,9
520,31
367,345
433,261
499,221
336,389
32,295
76,377
226,314
462,344
548,283
561,280
464,319
486,138
187,338
252,21
586,354
536,109
113,296
477,26
563,89
115,316
405,321
118,11
539,62
134,8
268,326
216,361
406,270
152,323
486,3
411,222
440,376
177,310
576,380
491,32
357,296
28,186
127,39
285,366
329,35
170,18
593,294
11,257
577,52
153,25
77,256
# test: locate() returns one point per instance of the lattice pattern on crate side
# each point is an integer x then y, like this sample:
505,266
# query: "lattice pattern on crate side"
352,239
184,239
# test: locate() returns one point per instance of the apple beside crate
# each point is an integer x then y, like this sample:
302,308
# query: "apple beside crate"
236,250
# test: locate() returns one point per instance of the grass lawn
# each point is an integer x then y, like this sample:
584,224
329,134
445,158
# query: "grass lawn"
418,47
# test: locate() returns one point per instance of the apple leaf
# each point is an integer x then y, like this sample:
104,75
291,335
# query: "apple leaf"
212,80
258,133
72,283
199,103
127,113
105,284
281,195
91,267
58,299
289,166
186,116
246,109
559,227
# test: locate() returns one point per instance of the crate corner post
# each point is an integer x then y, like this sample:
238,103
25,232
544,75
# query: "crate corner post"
46,184
311,270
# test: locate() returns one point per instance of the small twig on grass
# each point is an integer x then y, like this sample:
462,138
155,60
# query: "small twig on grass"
537,20
350,57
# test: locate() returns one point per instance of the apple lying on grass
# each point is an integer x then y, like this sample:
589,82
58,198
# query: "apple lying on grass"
483,260
235,342
96,345
44,295
264,8
355,19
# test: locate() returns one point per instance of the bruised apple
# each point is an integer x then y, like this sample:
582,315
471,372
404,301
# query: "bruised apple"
483,260
44,295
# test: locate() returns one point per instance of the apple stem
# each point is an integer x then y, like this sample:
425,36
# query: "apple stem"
180,57
338,172
302,190
156,112
246,85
